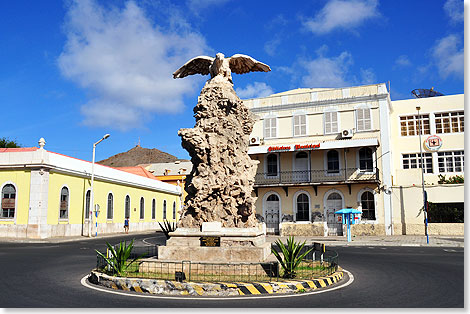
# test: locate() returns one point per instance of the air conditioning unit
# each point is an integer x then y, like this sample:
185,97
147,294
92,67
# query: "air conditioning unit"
347,133
254,140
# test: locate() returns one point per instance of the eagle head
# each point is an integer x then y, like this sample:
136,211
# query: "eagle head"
220,56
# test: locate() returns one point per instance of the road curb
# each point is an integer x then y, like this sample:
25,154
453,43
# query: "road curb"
169,287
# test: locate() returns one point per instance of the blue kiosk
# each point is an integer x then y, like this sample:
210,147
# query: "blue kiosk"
349,217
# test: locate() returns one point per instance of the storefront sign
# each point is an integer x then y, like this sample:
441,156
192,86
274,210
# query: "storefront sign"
307,146
8,203
210,241
433,143
278,148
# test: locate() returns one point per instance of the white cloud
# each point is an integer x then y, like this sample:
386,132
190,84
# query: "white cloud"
271,46
338,14
455,9
403,61
125,63
255,90
448,54
368,76
327,72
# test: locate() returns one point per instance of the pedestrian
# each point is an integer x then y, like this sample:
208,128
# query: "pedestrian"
126,225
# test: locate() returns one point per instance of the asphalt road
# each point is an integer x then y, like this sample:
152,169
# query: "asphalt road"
48,275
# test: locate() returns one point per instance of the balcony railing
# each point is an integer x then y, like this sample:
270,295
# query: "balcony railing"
346,175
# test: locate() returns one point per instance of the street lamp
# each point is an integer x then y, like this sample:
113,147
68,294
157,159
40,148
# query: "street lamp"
90,219
425,211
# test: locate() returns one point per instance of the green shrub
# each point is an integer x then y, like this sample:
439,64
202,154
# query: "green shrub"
119,256
291,256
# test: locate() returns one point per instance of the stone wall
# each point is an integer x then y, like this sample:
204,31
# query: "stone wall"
301,229
451,229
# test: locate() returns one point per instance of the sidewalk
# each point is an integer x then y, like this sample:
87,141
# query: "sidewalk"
396,240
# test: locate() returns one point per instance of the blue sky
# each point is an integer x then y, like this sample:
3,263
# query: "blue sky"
72,71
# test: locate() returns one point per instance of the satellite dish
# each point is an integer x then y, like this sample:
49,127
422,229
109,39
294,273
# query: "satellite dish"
425,93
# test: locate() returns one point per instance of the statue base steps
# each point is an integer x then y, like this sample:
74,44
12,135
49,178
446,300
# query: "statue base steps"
216,245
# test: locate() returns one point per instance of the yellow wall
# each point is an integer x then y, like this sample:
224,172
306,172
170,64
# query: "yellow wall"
21,179
77,190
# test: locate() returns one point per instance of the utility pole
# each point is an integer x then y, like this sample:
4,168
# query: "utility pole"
425,210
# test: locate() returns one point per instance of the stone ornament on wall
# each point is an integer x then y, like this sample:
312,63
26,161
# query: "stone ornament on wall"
221,181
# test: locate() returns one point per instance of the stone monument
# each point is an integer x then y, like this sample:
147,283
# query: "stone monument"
218,223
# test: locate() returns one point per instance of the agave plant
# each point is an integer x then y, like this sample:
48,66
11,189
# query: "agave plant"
118,259
167,227
291,256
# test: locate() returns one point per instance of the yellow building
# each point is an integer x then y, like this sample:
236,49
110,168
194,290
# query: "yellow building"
46,194
321,150
442,143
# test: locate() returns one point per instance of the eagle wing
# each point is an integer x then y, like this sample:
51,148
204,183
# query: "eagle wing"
197,65
241,64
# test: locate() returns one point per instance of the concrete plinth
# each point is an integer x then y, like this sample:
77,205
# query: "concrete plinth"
236,245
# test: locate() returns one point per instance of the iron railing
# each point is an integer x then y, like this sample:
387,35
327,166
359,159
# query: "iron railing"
314,265
316,176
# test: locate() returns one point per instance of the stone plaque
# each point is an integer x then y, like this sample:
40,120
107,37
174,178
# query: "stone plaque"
210,241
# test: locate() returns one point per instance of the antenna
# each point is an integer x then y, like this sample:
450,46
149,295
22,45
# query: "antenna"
425,93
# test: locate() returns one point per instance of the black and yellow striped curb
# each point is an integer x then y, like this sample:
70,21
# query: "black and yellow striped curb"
169,287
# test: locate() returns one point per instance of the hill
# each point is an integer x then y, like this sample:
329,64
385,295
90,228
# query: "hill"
136,156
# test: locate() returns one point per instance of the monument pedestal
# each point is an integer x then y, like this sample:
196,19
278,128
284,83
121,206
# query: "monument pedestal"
212,243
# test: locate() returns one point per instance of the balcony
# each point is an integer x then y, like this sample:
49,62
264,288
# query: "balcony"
316,177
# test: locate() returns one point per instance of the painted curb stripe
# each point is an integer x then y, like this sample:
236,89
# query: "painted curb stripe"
255,288
260,288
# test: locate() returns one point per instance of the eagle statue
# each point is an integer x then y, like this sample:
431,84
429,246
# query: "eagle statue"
221,66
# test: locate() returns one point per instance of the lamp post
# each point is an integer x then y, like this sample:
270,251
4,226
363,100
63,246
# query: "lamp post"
425,210
90,219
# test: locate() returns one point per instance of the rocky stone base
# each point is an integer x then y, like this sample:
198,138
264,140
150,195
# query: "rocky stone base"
234,245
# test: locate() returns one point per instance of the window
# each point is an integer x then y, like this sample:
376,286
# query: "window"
409,125
302,208
363,119
142,208
269,127
271,164
332,161
110,206
368,206
8,201
449,122
64,203
413,161
127,207
365,159
87,204
451,161
300,125
164,209
153,209
174,210
330,120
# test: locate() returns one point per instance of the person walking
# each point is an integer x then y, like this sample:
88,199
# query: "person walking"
126,225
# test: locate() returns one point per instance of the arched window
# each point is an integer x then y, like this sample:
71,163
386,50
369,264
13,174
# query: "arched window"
110,206
142,208
368,206
164,209
127,207
8,201
365,159
64,203
174,210
271,164
87,204
303,209
332,161
272,198
153,209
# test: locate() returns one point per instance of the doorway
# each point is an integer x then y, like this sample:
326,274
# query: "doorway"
334,202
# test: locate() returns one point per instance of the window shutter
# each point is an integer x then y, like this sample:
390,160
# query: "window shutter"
334,122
